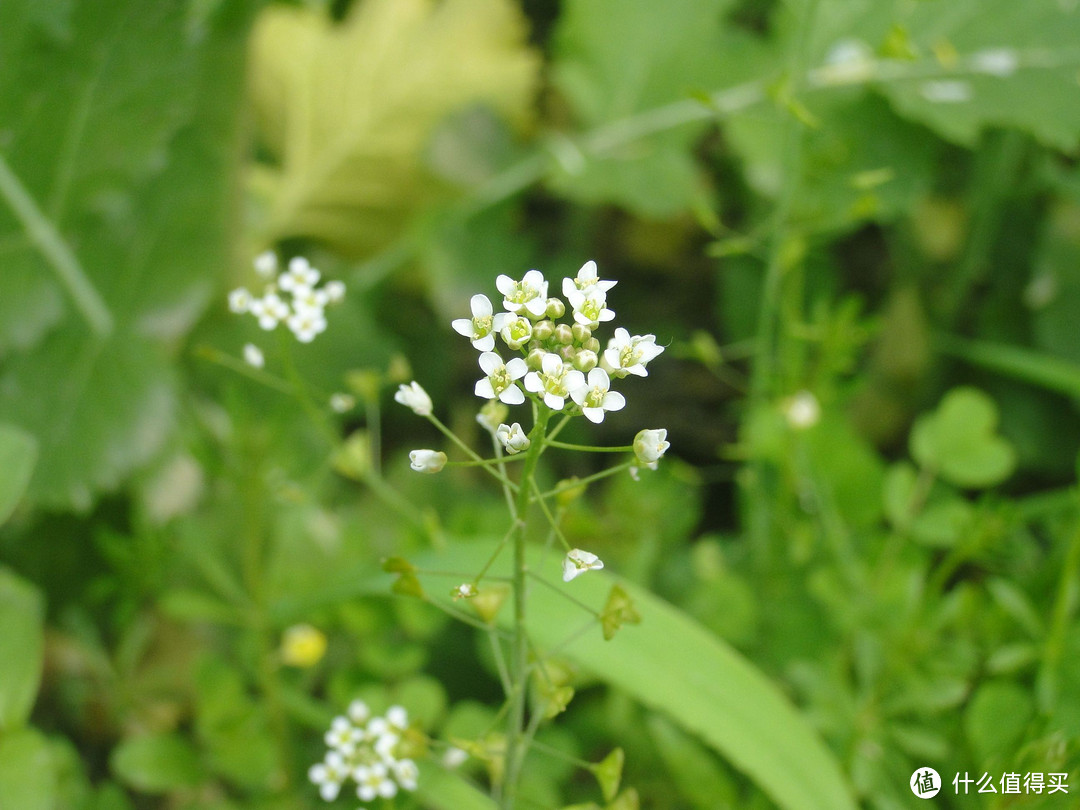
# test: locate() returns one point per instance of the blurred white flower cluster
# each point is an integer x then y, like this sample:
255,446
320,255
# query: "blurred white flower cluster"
558,360
292,296
368,750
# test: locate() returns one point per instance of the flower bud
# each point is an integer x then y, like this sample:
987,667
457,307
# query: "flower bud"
650,446
543,330
581,333
535,360
585,361
555,308
427,461
592,344
564,334
513,438
414,397
491,415
568,353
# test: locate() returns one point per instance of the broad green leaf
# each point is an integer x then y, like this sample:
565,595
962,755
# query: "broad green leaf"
347,108
970,64
958,441
119,122
440,789
944,523
27,773
691,767
22,643
18,453
156,763
617,59
673,665
996,717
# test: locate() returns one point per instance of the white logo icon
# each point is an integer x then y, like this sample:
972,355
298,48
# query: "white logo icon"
925,783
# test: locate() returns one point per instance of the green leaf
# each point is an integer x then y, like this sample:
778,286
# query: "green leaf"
995,718
673,665
347,109
958,441
27,772
18,453
691,767
944,523
22,643
615,59
439,789
156,763
119,124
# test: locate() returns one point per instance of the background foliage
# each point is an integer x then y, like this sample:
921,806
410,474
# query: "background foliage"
874,202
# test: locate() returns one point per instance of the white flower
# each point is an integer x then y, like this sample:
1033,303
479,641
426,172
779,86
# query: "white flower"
466,590
335,291
516,332
650,446
406,773
577,562
415,397
427,461
306,324
372,781
343,736
454,757
586,281
590,308
266,264
329,775
482,326
308,299
629,355
529,294
513,438
499,382
802,410
300,275
359,712
240,300
397,717
593,397
253,356
385,745
342,403
270,310
554,381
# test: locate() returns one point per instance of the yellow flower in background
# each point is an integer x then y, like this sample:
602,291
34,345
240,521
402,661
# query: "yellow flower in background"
302,646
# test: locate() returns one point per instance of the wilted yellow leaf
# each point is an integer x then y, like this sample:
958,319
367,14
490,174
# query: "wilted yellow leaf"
347,108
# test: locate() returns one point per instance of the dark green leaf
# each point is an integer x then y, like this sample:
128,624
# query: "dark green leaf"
22,641
18,453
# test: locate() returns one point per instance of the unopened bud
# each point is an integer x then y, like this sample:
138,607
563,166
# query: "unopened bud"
555,308
535,360
581,333
592,344
568,353
585,361
564,334
543,330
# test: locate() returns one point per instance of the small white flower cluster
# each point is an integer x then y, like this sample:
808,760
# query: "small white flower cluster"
560,364
302,309
366,749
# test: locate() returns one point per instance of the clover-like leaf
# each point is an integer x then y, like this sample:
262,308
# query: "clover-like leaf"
347,109
959,441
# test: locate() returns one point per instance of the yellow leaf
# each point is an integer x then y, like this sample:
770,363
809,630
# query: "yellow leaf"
346,109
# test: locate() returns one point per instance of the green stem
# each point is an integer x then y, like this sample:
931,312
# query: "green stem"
48,240
519,657
1064,604
591,448
483,463
579,482
300,390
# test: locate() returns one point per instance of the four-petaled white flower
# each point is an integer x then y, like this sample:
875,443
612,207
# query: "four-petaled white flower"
406,773
306,324
516,332
513,438
629,355
329,775
500,380
466,590
427,461
266,264
335,291
483,325
374,781
343,736
414,397
529,294
590,308
577,562
300,275
650,446
554,381
270,310
594,398
240,300
586,281
253,356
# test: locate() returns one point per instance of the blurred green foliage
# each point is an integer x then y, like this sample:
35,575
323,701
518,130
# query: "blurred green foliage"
873,204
